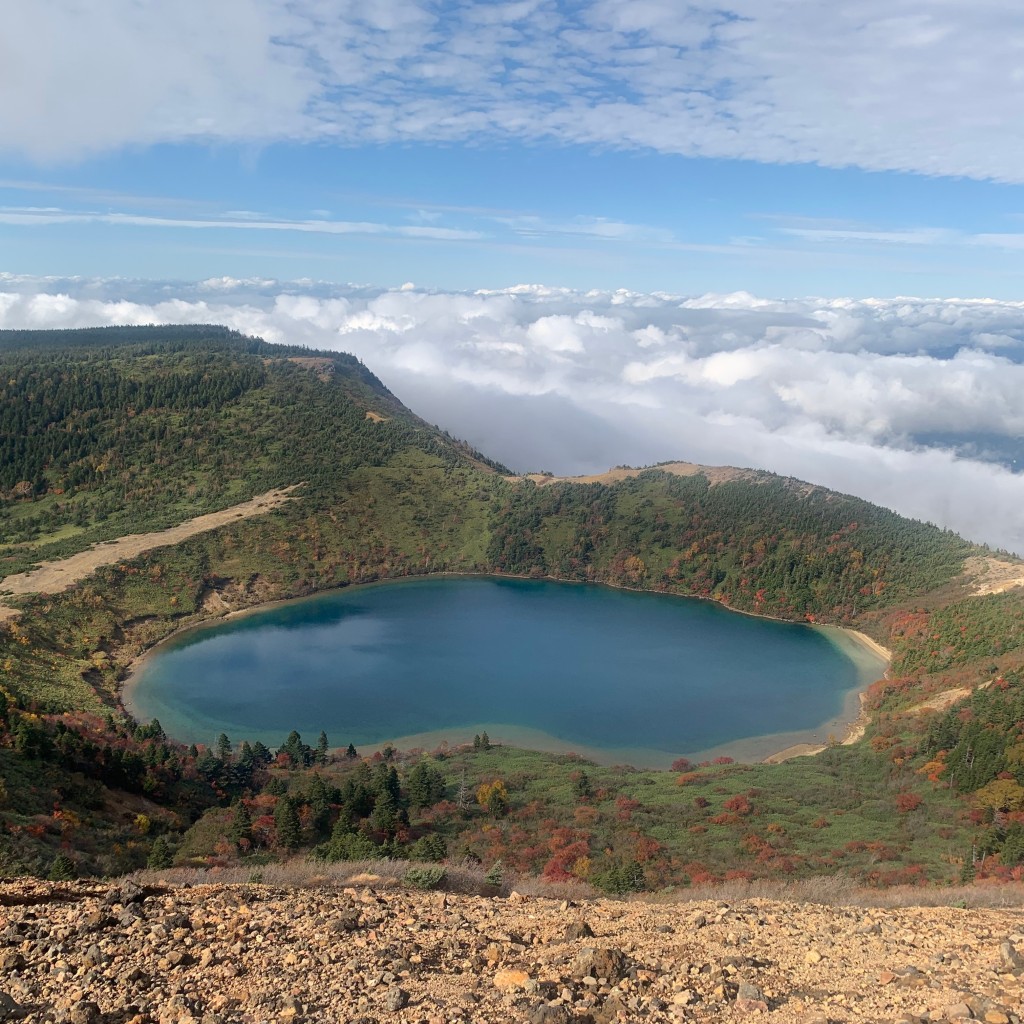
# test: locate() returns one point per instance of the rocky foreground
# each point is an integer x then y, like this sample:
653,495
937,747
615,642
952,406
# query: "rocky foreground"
85,953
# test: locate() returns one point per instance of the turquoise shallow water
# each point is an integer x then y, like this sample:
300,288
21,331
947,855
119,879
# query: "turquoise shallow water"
614,674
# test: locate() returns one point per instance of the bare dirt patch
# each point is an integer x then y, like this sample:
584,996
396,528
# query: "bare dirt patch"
992,575
323,367
376,417
53,577
945,699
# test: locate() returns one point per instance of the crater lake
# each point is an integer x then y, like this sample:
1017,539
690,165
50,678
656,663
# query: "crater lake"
615,675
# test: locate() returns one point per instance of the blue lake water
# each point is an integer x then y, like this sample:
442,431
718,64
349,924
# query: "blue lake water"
616,675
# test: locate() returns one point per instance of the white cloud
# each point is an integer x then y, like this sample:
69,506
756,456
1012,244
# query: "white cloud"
903,85
859,395
41,217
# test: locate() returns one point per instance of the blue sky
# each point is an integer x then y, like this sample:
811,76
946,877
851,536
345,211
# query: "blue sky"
575,232
809,149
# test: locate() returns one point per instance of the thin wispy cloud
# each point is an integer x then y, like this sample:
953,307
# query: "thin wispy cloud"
912,403
233,221
908,85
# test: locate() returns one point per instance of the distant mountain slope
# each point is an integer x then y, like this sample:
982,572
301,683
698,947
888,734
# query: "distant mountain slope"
754,541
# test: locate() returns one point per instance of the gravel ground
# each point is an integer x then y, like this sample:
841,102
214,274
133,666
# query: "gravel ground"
90,952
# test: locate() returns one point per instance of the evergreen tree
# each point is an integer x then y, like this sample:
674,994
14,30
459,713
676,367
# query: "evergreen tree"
321,748
161,854
241,824
223,748
62,869
432,847
385,780
319,799
298,753
286,824
581,787
350,751
425,785
386,815
485,741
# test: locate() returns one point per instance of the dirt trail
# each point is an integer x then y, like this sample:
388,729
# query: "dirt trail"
53,577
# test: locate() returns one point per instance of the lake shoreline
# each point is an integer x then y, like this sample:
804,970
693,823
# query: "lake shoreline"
846,728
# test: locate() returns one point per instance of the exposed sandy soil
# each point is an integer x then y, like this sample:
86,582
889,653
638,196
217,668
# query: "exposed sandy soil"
946,698
992,575
84,953
874,645
53,577
715,474
322,366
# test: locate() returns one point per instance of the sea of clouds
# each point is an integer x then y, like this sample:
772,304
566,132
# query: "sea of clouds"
911,403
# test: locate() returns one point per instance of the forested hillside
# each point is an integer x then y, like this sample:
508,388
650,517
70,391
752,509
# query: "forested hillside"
113,431
125,429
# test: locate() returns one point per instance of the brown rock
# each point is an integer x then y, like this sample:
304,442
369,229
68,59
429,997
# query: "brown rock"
11,960
749,998
85,1012
957,1011
396,999
509,980
547,1013
1009,958
600,963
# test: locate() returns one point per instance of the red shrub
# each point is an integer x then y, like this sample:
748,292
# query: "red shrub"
906,802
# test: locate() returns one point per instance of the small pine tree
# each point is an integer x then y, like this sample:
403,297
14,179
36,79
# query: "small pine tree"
321,748
350,751
476,742
581,788
385,817
241,824
223,748
161,854
485,741
425,785
286,824
432,847
967,871
62,869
